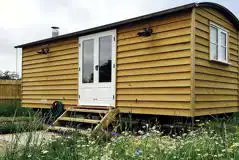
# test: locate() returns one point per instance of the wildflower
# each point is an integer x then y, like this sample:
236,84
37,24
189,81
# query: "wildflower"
205,155
45,151
220,155
154,127
184,134
29,156
140,132
51,125
116,134
138,151
197,120
235,145
197,150
230,150
201,124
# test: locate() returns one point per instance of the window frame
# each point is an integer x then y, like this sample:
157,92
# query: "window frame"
219,43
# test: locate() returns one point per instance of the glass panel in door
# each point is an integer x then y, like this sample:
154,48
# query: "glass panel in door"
88,61
105,58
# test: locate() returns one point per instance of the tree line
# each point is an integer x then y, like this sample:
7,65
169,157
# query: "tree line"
8,75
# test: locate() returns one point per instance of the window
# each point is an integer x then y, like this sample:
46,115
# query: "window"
218,43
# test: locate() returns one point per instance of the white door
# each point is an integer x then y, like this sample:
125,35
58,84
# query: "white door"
97,69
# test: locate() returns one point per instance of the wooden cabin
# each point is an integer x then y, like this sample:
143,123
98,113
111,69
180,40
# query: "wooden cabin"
177,62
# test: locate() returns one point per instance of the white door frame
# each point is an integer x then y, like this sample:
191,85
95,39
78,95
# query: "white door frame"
96,51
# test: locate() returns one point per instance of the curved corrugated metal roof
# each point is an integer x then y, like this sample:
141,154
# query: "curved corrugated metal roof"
234,20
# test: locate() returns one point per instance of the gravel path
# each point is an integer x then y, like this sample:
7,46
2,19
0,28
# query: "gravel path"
21,138
3,145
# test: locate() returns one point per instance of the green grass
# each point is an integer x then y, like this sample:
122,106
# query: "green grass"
16,124
15,119
10,102
217,139
15,111
18,119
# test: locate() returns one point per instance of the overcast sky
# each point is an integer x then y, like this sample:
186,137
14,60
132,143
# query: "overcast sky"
23,21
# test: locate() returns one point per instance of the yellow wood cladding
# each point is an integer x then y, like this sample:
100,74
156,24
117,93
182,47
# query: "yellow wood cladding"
167,73
216,84
153,73
50,77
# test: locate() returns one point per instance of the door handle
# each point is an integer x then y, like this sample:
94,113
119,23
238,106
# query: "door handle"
96,67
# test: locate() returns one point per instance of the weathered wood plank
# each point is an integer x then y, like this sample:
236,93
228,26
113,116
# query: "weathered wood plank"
155,77
153,70
154,104
171,83
162,98
149,91
157,63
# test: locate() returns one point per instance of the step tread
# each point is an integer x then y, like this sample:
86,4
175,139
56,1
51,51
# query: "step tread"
59,128
93,121
88,110
68,129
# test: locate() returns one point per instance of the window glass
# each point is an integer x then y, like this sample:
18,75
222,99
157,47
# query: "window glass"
213,35
88,61
105,52
223,54
213,50
223,39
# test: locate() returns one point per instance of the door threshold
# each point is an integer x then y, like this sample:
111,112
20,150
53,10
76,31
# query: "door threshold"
95,107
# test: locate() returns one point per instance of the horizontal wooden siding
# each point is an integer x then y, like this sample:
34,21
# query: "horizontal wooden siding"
50,77
216,85
153,73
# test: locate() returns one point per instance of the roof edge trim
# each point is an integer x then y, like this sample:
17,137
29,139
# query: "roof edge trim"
226,12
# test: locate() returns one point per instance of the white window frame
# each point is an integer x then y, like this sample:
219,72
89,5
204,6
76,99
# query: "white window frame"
219,43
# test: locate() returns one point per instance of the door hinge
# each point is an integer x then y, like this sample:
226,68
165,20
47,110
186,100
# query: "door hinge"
79,68
79,44
79,96
114,38
113,97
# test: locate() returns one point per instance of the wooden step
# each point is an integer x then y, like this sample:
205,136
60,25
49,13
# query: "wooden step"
92,121
88,110
100,125
61,129
106,120
68,129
